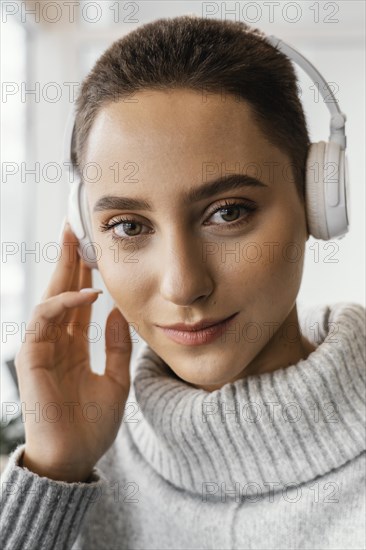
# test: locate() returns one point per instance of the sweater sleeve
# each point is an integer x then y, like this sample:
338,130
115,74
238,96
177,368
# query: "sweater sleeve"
38,513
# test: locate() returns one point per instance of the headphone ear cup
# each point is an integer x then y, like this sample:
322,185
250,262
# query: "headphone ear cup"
89,253
85,214
314,191
79,219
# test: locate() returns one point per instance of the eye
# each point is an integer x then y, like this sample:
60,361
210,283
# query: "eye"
123,228
129,226
230,212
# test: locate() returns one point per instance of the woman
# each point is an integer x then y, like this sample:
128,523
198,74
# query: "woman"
246,428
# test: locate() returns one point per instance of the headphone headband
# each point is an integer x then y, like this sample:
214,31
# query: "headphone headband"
338,119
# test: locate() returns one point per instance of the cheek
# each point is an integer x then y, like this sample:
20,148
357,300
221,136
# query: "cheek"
277,268
129,286
278,276
268,263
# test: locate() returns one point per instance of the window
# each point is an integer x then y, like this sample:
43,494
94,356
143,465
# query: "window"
14,219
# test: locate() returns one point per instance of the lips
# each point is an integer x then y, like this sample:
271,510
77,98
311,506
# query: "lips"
195,335
205,323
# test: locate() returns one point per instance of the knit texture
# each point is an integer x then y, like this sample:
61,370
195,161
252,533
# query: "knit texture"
272,461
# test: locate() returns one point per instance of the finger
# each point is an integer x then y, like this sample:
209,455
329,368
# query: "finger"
82,315
118,347
50,314
63,274
86,279
74,286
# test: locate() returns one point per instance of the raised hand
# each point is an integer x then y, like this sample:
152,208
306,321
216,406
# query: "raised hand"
80,411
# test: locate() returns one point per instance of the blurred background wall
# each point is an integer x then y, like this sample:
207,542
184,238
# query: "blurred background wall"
49,47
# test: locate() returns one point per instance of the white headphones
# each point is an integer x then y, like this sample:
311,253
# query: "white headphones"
327,182
326,186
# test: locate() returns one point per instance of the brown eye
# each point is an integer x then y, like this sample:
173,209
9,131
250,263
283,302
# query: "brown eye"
231,212
124,229
128,227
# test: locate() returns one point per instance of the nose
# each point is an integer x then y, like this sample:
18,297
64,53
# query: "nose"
185,276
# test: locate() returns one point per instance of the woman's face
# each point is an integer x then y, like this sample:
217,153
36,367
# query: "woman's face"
191,250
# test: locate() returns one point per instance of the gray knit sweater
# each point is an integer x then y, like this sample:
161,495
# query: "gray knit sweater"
273,461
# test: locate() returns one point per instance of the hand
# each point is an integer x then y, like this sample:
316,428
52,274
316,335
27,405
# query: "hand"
80,412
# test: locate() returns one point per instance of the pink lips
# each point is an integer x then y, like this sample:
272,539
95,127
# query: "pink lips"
197,337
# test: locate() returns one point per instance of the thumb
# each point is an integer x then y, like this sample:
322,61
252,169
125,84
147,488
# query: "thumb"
118,348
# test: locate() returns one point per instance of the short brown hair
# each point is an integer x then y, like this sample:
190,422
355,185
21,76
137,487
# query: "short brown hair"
201,54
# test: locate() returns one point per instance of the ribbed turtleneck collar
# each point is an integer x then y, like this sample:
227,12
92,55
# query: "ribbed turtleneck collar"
284,427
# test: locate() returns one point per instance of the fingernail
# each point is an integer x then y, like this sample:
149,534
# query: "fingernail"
98,290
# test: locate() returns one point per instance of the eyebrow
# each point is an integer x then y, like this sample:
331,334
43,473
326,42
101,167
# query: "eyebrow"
205,191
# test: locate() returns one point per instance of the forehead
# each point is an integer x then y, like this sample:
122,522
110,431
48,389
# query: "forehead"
181,134
192,118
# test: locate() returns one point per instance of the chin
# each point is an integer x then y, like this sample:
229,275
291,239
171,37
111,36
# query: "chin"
201,372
